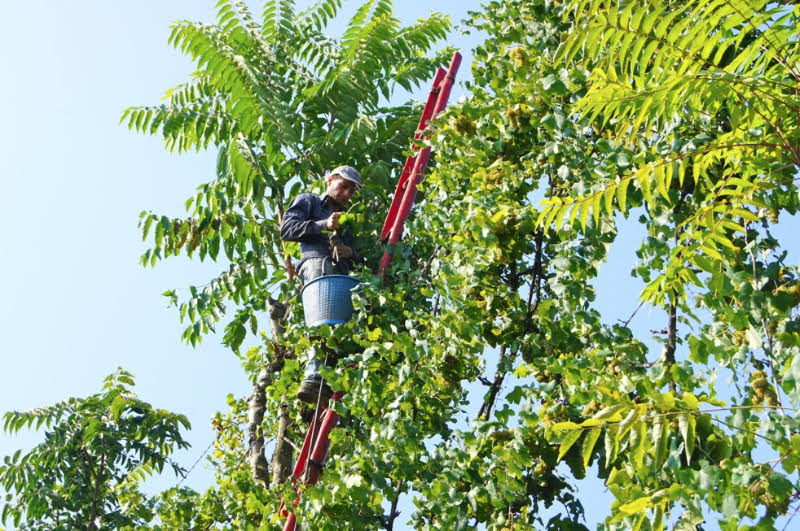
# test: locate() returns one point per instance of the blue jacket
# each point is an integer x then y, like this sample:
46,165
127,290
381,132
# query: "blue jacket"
304,221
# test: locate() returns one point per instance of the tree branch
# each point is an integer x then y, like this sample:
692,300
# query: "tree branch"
768,350
255,417
672,311
97,476
393,512
500,374
536,279
282,455
672,326
257,407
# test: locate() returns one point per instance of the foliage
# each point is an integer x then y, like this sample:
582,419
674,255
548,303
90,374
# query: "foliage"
282,102
692,99
96,452
703,89
575,120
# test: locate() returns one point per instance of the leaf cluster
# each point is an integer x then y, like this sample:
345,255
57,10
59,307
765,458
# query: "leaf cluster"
96,452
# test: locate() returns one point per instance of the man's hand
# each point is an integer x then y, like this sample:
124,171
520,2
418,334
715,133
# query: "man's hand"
341,251
333,221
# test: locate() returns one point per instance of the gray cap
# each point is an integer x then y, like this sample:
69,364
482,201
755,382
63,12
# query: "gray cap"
347,172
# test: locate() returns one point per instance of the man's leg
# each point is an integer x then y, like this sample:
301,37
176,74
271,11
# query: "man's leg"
312,387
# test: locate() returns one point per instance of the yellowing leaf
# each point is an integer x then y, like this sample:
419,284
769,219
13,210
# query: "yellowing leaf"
558,427
610,413
586,207
713,253
690,401
637,505
609,197
598,198
627,423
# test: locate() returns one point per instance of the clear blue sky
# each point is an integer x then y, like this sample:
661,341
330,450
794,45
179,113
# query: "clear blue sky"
75,303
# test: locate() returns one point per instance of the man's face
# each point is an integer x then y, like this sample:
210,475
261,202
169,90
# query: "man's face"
340,189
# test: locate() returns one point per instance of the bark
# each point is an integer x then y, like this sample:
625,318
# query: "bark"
536,282
393,512
672,340
486,408
95,498
672,310
255,417
257,407
282,456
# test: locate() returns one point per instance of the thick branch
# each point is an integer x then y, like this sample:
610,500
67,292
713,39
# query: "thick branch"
257,406
672,329
97,478
536,280
486,408
255,417
393,512
282,456
672,311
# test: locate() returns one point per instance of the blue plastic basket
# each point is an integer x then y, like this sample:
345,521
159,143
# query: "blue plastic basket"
326,300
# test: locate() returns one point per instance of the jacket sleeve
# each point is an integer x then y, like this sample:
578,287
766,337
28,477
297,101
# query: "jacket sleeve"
297,224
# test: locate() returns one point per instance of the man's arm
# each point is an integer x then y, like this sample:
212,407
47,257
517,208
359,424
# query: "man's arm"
297,223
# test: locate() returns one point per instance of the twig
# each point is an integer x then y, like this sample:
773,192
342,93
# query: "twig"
791,517
765,328
626,323
186,474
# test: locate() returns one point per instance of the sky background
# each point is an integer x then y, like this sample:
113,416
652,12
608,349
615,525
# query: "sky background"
75,302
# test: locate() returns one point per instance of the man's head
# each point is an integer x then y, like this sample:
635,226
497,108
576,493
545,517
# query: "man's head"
343,183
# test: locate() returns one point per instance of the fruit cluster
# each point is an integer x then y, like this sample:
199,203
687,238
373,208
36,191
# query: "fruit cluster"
517,55
763,393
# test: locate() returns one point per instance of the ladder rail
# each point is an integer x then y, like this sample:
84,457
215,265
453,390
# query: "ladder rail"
314,453
420,165
427,112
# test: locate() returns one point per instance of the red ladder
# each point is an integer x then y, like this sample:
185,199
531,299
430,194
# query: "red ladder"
314,452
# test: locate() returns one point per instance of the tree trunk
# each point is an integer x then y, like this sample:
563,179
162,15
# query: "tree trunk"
282,456
257,407
255,417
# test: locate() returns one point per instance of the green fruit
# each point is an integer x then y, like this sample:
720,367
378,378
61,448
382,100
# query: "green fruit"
517,56
739,337
760,384
463,125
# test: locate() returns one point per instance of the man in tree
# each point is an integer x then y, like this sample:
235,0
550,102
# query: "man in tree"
305,221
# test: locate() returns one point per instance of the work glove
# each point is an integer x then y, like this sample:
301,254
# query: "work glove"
340,252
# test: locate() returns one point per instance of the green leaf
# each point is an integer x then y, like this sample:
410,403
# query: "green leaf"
661,439
627,422
638,442
611,443
588,445
118,406
687,424
567,442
